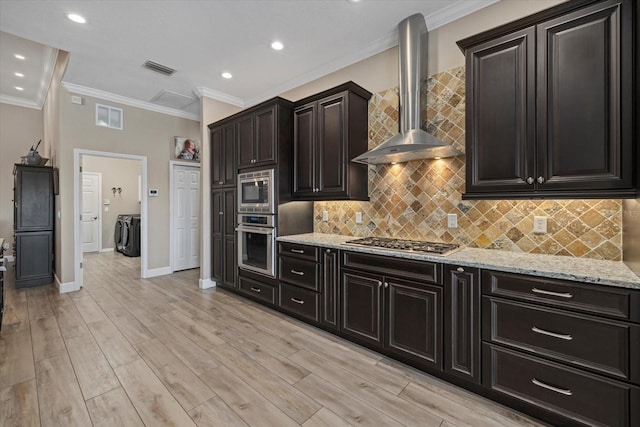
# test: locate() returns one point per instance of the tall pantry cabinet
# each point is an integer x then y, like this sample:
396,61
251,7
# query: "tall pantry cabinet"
33,224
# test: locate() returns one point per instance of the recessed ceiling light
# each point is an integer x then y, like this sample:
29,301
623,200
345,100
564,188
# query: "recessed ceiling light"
76,18
19,88
226,75
18,74
17,55
276,45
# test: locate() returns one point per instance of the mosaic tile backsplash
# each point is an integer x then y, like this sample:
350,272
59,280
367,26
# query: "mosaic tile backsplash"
412,200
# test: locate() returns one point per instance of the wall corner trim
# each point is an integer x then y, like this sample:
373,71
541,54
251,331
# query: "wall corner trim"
206,283
63,288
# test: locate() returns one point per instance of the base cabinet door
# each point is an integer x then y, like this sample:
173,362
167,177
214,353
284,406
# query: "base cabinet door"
414,321
330,294
34,255
362,307
462,322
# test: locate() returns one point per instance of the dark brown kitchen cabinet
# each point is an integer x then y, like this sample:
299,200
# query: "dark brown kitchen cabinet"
33,225
257,138
224,254
224,168
389,312
462,322
551,104
558,346
329,129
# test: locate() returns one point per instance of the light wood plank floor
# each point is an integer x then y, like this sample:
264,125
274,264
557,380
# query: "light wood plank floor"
126,351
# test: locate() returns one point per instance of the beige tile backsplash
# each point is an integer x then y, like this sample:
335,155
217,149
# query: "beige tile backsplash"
412,200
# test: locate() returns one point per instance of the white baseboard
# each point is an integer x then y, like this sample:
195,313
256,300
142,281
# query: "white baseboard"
106,250
206,283
63,288
155,272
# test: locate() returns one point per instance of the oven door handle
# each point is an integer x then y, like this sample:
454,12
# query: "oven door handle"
259,230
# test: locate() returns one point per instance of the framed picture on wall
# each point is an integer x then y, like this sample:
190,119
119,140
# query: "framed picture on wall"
186,149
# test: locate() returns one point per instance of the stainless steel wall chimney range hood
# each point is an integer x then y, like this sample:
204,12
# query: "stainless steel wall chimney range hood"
412,142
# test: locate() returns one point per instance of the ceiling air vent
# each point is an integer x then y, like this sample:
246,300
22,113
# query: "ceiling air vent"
159,68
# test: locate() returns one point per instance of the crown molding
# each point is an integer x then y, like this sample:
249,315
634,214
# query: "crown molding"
19,102
455,10
201,91
108,96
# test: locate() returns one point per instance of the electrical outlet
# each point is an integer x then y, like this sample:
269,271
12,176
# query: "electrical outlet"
452,220
325,216
358,217
539,224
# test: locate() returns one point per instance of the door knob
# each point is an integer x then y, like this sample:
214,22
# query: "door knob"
94,218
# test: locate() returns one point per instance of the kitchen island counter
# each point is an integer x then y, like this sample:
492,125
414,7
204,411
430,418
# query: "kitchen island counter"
607,273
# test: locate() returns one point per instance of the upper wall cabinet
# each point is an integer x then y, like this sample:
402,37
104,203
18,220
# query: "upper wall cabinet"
257,138
223,155
329,129
551,104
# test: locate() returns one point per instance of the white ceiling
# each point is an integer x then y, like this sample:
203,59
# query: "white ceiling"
199,39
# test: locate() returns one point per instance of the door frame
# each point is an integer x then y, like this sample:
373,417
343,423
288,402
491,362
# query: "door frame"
99,207
172,237
77,199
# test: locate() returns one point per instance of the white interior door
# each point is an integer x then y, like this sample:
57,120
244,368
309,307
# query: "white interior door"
186,214
91,220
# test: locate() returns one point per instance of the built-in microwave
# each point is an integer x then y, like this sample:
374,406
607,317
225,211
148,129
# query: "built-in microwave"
255,192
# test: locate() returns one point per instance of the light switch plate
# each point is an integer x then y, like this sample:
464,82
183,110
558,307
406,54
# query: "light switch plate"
452,220
539,224
358,217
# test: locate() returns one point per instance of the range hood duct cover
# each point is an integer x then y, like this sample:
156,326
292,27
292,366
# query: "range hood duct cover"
412,142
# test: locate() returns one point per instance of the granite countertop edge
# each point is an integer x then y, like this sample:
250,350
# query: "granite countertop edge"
606,273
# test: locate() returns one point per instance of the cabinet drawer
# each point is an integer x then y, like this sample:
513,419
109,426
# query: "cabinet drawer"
422,271
600,300
571,393
311,253
299,272
302,302
257,290
601,345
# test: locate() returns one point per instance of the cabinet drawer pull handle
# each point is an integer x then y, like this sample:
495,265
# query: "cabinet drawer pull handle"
297,251
552,388
299,273
552,334
297,301
554,294
258,290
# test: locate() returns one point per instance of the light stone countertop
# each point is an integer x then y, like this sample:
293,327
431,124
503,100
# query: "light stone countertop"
608,273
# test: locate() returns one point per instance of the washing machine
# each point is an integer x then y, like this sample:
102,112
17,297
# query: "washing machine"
127,235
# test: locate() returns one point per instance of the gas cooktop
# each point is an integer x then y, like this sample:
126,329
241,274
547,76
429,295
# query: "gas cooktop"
432,248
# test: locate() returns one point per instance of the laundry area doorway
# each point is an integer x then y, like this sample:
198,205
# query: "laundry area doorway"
121,212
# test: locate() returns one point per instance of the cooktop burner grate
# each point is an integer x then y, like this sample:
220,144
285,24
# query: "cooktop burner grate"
406,245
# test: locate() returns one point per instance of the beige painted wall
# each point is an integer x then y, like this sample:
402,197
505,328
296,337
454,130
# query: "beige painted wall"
20,128
212,111
116,173
145,133
380,71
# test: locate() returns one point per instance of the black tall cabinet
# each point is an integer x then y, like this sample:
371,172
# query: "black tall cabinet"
33,223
